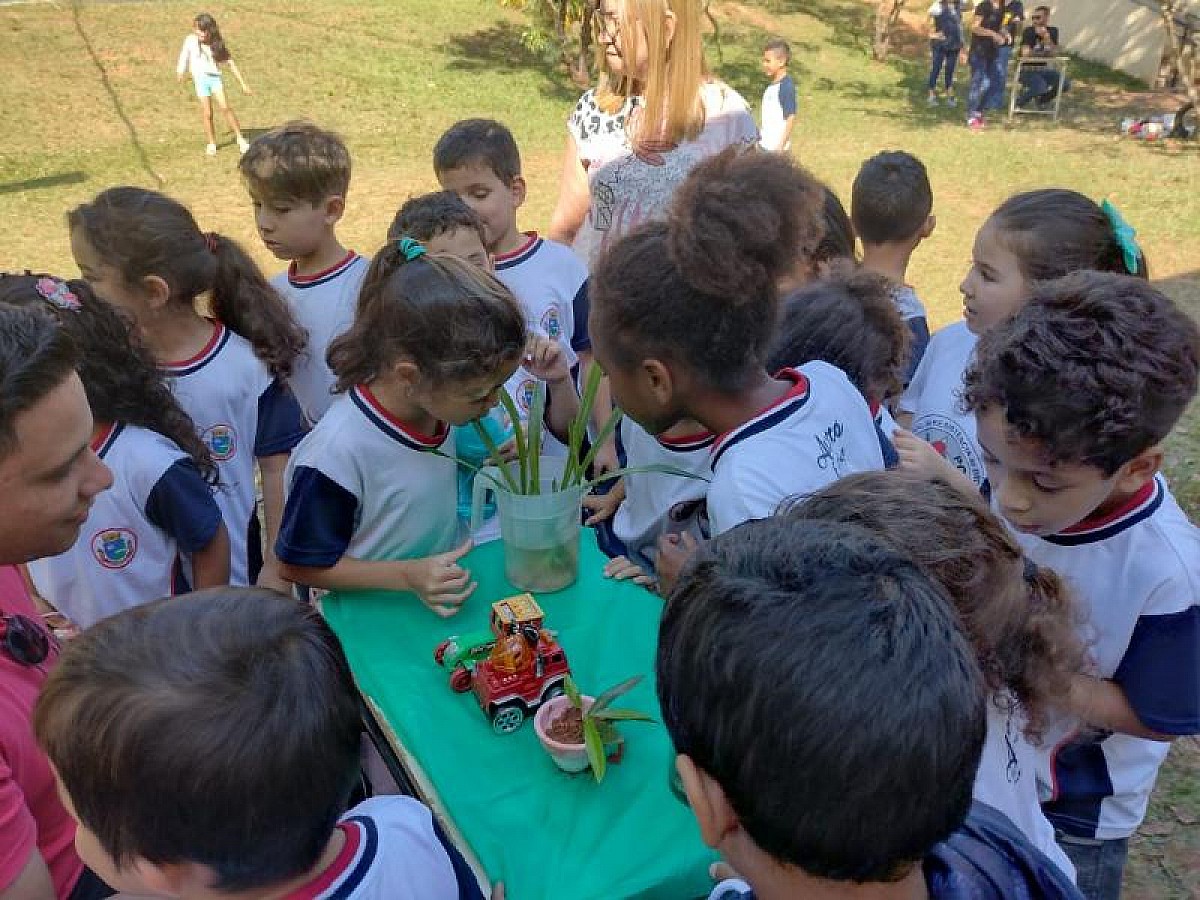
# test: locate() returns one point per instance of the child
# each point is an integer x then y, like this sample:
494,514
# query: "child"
891,205
298,176
478,160
682,315
203,53
779,99
1019,618
157,530
1074,396
849,321
372,491
829,718
945,43
207,746
988,35
1031,237
144,253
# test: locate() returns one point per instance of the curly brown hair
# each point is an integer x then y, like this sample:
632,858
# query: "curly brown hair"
1021,621
850,321
119,374
142,232
700,288
1095,368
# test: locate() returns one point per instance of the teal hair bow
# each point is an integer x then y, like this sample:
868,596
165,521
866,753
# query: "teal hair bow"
1126,238
411,248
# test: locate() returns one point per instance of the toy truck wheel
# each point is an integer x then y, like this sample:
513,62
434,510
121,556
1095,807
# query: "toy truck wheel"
460,680
507,718
554,690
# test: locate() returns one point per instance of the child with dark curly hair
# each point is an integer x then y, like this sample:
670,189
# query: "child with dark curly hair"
1019,618
1073,398
158,529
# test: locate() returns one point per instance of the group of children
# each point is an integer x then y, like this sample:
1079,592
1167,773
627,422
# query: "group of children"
744,342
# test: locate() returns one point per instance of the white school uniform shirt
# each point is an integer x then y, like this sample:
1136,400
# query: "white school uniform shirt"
934,398
364,484
1007,778
656,503
241,412
129,550
197,58
323,304
820,431
393,850
778,104
1137,574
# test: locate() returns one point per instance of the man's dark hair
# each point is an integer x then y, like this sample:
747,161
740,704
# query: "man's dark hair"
1041,9
1095,368
891,198
474,141
36,356
219,728
780,46
823,682
425,217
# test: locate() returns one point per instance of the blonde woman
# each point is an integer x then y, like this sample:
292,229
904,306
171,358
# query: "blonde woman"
655,113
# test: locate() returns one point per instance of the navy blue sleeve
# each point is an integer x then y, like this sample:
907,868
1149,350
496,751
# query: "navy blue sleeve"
468,887
787,96
281,423
920,341
318,520
1160,671
181,503
581,340
891,459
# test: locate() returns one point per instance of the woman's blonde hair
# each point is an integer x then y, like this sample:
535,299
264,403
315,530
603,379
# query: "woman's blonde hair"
675,71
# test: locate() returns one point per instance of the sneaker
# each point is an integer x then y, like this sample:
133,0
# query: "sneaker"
975,123
243,144
210,150
952,100
931,100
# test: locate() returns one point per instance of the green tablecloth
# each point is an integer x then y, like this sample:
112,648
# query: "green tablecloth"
545,834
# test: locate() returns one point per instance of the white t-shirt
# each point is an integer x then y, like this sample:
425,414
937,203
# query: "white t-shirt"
393,851
1007,778
242,412
656,503
627,191
366,485
820,431
778,104
196,58
129,550
323,304
1137,575
934,397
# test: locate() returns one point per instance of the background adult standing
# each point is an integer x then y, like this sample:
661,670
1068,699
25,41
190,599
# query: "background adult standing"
654,114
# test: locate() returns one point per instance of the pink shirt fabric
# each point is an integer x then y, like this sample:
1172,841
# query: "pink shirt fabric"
31,815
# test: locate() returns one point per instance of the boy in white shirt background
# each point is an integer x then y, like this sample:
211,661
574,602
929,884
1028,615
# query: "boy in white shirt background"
779,104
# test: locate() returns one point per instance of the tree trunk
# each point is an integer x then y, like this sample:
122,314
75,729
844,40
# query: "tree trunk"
886,16
1181,55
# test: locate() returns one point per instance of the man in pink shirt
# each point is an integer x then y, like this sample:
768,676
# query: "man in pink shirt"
48,477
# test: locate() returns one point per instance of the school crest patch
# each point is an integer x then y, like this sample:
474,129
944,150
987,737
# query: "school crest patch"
953,443
114,548
221,441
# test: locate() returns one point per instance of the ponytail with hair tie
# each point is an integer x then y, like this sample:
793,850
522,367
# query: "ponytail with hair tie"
411,248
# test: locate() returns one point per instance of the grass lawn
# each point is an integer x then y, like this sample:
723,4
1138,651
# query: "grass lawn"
89,100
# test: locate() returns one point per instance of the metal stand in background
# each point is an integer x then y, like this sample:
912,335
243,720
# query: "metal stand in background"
1054,63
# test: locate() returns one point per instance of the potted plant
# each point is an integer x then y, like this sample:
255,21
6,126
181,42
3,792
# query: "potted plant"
540,498
579,731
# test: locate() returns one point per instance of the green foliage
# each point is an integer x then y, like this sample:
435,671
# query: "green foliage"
598,719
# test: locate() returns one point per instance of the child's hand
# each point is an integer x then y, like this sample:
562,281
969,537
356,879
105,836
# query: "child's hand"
604,506
674,550
606,459
507,450
544,358
622,569
441,583
269,577
917,455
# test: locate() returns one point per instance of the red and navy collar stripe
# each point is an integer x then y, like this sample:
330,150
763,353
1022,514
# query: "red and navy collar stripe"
370,407
318,278
796,397
701,440
1140,507
216,343
104,441
522,254
346,873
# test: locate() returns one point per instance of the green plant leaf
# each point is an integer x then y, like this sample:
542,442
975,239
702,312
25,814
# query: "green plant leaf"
571,689
604,434
493,450
514,416
625,715
595,749
577,431
606,699
656,468
533,440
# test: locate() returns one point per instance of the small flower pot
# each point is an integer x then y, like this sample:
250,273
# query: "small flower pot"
570,757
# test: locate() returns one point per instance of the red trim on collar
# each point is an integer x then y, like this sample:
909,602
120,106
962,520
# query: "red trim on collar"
426,440
325,273
1141,498
531,239
798,389
217,331
99,440
698,438
340,865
